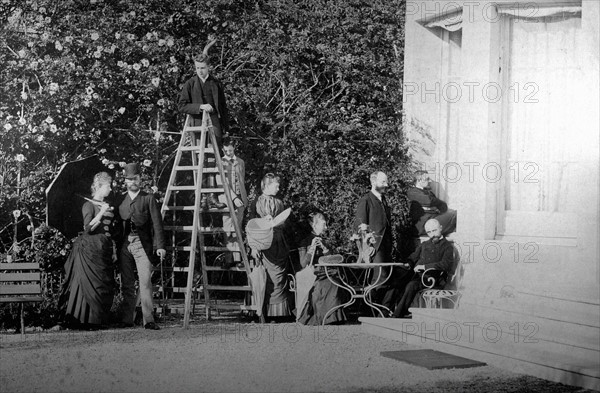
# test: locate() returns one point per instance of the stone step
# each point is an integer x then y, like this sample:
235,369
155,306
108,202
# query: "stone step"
561,331
548,306
493,341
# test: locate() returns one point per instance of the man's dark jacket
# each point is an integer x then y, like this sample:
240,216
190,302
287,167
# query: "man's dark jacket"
192,96
144,218
376,214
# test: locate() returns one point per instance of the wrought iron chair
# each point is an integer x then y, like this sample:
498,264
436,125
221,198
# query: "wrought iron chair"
434,298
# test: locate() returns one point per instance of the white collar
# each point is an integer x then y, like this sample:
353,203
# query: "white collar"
132,195
204,79
376,193
231,159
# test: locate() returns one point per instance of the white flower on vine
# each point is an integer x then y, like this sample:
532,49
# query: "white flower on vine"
68,39
111,166
22,121
145,48
145,62
95,36
173,59
16,213
156,81
137,66
154,189
160,102
58,46
149,36
49,120
96,96
170,20
22,53
8,127
20,158
147,162
24,96
39,138
105,161
170,42
130,96
122,110
175,69
53,88
161,42
102,151
122,164
97,55
117,35
53,128
131,36
120,63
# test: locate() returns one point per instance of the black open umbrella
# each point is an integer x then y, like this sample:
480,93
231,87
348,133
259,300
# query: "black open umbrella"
63,205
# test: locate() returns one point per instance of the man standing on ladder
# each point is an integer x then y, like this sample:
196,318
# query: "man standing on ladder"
200,93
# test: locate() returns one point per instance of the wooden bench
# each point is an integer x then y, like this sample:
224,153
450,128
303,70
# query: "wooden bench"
20,282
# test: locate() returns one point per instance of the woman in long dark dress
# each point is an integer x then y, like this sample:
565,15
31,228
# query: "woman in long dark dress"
277,299
324,295
88,290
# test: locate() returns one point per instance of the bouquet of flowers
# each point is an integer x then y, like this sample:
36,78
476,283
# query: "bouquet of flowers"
365,241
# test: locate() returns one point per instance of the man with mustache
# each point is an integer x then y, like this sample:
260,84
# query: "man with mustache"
142,233
436,253
373,210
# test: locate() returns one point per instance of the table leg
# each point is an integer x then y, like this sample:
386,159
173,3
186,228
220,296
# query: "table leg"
344,285
367,292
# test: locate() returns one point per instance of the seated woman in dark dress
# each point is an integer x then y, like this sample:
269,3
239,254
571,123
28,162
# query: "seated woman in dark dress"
88,290
324,295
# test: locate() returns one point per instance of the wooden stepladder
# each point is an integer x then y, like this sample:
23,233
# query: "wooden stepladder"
191,226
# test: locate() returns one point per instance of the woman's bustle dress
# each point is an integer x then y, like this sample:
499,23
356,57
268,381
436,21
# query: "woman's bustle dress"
88,289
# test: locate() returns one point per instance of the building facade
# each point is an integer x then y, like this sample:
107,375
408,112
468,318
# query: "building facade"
501,104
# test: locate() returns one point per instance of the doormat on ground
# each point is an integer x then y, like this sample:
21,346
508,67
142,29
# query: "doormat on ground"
431,359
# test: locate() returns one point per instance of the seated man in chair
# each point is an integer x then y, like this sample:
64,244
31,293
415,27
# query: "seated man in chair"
436,253
424,205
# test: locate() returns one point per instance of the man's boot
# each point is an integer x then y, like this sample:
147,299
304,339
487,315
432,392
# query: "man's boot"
213,202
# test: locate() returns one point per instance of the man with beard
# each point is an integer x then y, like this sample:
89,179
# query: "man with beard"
142,232
437,253
373,210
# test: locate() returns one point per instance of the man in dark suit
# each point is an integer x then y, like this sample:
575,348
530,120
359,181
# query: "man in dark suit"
437,253
204,93
142,233
373,210
424,205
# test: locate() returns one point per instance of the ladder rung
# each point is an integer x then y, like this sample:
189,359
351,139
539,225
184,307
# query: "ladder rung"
179,248
197,148
211,190
233,307
183,289
180,207
229,288
213,248
182,188
193,128
220,269
212,230
195,168
183,228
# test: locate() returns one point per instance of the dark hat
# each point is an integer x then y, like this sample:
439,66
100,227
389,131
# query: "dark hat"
132,170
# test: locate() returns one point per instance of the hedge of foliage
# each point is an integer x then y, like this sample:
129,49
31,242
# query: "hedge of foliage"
313,88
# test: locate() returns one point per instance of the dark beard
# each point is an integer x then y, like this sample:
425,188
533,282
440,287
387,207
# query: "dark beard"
381,190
